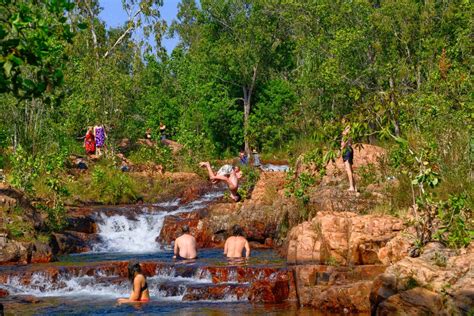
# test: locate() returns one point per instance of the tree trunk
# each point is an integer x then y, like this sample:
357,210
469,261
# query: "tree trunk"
247,95
247,105
396,126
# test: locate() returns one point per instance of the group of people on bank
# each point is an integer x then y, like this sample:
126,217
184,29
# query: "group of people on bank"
185,248
94,140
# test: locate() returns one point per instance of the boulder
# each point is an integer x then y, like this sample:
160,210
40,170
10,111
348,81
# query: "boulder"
71,242
343,238
440,281
336,288
272,290
41,253
15,252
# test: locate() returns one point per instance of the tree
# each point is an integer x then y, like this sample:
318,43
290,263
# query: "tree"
239,43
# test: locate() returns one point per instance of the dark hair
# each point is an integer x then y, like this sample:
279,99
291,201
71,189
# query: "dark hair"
133,268
237,231
185,229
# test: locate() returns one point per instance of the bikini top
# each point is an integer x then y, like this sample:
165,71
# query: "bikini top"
145,287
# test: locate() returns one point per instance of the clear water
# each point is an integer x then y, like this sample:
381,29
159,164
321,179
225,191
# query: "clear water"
123,239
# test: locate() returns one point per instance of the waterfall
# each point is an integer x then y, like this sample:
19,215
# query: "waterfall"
118,233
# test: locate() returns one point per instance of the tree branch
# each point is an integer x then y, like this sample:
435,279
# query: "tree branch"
124,34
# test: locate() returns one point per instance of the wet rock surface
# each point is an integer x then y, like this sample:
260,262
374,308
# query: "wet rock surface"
258,284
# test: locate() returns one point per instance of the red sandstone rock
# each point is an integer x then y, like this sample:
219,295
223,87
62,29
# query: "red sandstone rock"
41,253
270,291
343,238
336,289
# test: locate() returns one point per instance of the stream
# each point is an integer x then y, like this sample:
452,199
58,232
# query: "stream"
90,283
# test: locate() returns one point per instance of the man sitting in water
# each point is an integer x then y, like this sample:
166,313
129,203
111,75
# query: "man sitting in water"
185,245
227,173
235,244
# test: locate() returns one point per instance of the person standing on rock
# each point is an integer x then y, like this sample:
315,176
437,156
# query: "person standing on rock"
227,173
348,156
140,292
185,245
235,244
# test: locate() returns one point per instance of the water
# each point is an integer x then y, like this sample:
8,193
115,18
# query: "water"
90,283
119,233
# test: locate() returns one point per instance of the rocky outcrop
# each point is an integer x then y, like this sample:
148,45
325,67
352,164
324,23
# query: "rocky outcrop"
172,229
258,216
11,198
15,252
71,242
440,281
345,238
336,289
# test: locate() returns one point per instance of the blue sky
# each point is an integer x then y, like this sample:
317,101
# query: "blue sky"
114,15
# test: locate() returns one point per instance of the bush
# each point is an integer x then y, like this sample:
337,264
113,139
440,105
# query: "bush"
110,185
251,176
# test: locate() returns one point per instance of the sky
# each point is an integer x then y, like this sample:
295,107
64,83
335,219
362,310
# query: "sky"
114,15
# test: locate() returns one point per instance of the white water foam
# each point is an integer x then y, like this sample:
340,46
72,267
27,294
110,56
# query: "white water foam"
121,234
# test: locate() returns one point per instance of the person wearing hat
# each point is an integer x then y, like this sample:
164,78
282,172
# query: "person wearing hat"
185,245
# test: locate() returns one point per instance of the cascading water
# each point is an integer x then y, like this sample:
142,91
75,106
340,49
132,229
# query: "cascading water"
121,234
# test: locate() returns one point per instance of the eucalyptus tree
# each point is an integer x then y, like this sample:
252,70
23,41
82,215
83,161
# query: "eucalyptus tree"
239,43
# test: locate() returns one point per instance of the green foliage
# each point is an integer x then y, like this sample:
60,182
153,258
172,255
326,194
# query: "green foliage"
161,155
110,185
250,178
297,186
33,36
25,169
457,223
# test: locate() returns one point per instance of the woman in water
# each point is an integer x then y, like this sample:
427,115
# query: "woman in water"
140,291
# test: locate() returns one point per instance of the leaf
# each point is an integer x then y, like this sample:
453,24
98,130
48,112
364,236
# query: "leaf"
82,25
7,66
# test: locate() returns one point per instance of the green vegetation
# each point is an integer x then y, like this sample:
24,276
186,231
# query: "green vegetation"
276,76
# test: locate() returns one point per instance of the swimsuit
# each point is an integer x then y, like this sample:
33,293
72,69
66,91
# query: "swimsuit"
348,154
99,136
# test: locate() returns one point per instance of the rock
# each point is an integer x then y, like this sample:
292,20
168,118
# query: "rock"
10,197
342,238
272,290
201,292
172,229
417,301
259,216
83,224
440,281
364,155
41,253
15,252
71,242
336,289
